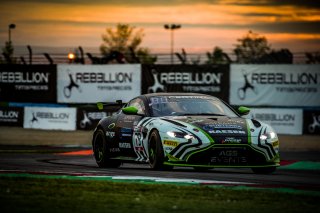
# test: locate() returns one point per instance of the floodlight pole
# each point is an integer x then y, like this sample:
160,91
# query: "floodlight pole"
11,26
172,27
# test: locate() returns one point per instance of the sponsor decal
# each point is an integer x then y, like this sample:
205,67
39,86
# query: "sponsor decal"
311,122
229,157
275,144
88,118
205,81
85,121
129,118
276,85
28,83
227,131
125,130
190,78
315,124
170,143
242,91
284,121
110,134
209,127
24,77
86,78
126,135
79,83
228,160
11,116
157,86
139,148
50,118
124,145
67,90
111,126
168,148
274,117
231,140
186,78
114,150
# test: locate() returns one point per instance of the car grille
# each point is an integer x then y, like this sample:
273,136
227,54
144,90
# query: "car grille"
228,156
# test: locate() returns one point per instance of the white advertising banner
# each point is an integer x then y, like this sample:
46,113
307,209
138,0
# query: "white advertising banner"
50,118
275,85
98,83
283,121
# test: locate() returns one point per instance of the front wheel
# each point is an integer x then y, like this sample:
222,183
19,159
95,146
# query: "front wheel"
264,170
156,154
101,151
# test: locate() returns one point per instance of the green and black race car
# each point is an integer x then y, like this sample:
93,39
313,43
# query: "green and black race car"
185,129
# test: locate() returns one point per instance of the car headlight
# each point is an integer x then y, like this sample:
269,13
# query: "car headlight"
180,135
268,135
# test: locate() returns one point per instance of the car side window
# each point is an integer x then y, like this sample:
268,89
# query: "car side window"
138,103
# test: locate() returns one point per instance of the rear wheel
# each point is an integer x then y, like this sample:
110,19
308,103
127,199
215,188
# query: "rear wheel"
156,154
264,170
101,151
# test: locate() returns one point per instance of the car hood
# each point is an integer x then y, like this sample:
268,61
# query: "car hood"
222,129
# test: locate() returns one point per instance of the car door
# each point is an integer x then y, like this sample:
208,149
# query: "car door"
126,124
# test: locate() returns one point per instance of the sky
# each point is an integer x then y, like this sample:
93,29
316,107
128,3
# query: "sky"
292,24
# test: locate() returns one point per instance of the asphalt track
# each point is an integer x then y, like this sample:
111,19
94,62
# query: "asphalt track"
299,170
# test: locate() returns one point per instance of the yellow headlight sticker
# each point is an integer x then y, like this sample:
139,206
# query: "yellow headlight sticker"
275,144
170,143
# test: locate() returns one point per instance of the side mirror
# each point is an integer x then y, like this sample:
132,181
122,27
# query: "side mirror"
131,110
100,105
243,110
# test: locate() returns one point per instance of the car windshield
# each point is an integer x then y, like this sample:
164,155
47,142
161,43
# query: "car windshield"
189,105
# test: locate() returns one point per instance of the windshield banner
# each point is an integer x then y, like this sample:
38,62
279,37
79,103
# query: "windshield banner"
205,79
283,121
275,85
94,83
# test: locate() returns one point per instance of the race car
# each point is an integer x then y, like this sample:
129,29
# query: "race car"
166,130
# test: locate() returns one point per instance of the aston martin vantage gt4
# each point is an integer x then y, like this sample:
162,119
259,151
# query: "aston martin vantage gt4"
185,129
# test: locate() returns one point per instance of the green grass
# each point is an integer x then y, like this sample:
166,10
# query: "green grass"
19,194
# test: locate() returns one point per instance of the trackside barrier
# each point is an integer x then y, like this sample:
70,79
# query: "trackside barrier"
283,121
41,89
21,83
275,85
311,121
11,116
49,118
94,83
205,79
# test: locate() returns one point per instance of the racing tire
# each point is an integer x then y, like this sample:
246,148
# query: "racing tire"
101,153
156,153
264,170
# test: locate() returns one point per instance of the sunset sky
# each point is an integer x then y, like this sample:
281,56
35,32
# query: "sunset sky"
293,24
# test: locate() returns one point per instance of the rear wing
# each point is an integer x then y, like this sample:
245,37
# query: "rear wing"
113,105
